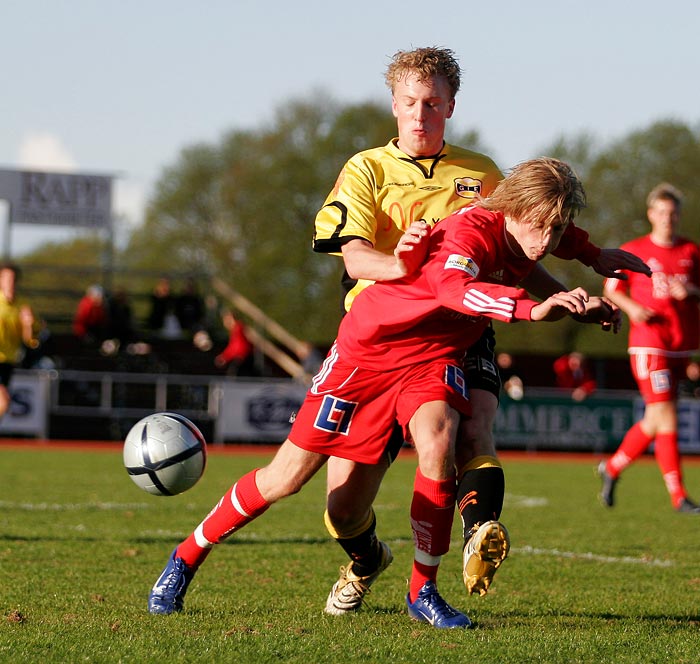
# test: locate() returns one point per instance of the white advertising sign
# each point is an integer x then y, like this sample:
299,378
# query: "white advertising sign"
57,199
28,413
257,410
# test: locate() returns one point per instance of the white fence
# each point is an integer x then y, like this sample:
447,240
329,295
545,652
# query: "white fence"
104,405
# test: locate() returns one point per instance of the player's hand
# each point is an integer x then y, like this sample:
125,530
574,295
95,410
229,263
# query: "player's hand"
611,261
602,311
680,290
638,313
559,305
412,248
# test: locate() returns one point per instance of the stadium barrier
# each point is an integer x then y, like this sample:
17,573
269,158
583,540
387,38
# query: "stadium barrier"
91,405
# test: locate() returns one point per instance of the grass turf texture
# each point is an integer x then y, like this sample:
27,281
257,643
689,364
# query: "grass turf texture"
80,546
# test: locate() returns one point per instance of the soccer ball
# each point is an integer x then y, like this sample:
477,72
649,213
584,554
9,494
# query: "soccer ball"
165,454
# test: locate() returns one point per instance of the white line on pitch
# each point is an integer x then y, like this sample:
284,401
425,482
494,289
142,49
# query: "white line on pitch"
68,507
628,560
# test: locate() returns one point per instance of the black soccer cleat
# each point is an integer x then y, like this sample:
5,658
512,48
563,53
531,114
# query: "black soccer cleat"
607,491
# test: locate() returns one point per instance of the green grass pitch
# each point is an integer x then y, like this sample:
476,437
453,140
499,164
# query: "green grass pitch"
80,546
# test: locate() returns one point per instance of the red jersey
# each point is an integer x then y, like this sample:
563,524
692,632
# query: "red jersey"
675,329
469,276
238,347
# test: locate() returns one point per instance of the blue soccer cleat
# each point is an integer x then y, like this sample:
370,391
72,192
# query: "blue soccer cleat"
431,608
168,593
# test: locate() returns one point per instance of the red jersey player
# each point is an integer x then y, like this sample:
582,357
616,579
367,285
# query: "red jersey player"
398,357
664,332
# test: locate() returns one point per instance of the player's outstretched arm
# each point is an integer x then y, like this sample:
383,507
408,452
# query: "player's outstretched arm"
559,305
610,261
601,311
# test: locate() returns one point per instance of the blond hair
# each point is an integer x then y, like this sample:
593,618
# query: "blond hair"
665,192
543,191
428,62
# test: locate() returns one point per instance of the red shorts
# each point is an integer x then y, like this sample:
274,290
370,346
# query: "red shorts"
657,376
350,412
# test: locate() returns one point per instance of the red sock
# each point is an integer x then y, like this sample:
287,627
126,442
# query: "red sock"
239,506
669,460
632,447
432,512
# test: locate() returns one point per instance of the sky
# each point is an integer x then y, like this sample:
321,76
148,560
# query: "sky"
107,87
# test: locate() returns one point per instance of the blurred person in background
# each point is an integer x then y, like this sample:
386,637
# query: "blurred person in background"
16,331
573,373
189,308
90,323
690,385
121,320
161,320
664,334
237,357
310,360
512,383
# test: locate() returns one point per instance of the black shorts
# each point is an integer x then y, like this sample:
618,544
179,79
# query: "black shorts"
481,372
6,370
480,366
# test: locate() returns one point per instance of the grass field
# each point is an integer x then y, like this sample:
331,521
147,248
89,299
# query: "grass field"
80,546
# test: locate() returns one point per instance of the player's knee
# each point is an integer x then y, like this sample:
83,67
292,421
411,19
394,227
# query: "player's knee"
274,486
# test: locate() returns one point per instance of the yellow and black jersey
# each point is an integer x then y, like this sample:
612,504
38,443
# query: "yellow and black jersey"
381,191
10,331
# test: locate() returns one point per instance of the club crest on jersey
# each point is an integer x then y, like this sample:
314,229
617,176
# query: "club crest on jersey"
464,263
467,187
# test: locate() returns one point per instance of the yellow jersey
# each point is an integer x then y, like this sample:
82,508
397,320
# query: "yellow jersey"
381,191
10,331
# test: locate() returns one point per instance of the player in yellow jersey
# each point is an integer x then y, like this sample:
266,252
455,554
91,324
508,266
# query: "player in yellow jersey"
378,218
381,192
16,328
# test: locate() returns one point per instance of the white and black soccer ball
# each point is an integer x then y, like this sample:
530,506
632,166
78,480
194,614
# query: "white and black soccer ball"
165,454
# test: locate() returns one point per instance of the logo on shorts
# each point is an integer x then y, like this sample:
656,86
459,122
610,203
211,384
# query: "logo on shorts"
660,381
335,415
464,263
454,378
467,188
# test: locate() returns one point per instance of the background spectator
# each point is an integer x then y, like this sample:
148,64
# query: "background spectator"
237,357
121,320
161,319
573,373
511,383
310,358
91,317
189,308
690,385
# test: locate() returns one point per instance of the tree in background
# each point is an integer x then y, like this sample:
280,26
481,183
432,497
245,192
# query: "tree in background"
243,210
617,178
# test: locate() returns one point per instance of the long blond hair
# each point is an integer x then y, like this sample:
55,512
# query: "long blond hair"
542,191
